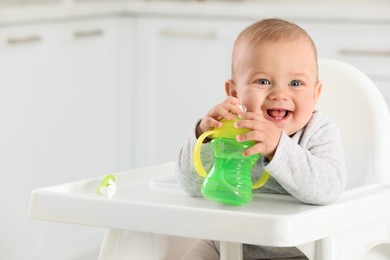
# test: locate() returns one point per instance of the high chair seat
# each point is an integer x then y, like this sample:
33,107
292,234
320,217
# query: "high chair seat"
150,217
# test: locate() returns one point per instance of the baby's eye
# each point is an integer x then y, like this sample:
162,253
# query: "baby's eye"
295,83
263,82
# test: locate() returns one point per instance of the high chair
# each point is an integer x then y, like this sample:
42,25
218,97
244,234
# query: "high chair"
151,218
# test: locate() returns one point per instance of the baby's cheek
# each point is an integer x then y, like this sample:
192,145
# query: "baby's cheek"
252,100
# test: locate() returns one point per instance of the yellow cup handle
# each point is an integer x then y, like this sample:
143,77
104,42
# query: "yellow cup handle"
197,161
199,166
261,181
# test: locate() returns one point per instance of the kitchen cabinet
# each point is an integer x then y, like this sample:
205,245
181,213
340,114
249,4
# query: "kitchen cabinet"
65,107
364,45
182,68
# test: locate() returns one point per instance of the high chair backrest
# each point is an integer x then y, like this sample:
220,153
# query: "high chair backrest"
355,103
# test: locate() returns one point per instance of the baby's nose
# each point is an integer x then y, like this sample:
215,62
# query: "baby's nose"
278,93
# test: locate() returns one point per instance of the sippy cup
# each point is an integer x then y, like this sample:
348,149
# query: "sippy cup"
229,181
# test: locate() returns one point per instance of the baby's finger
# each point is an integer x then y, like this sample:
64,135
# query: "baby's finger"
256,149
228,111
223,112
255,125
232,100
208,123
251,120
235,106
256,136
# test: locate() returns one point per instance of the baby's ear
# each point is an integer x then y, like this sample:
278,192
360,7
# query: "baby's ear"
230,88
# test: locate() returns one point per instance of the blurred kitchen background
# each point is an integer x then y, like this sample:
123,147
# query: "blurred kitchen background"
89,88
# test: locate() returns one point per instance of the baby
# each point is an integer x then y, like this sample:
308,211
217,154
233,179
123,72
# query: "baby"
275,76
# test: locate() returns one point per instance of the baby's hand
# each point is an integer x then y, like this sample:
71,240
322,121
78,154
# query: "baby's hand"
265,133
228,109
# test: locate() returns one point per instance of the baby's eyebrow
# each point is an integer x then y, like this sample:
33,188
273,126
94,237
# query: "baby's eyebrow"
300,75
259,73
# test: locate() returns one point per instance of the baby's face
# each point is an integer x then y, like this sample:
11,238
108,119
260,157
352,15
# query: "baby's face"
278,79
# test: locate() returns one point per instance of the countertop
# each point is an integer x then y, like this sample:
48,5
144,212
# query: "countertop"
300,10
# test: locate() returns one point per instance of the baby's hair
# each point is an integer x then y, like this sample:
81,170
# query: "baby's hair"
275,30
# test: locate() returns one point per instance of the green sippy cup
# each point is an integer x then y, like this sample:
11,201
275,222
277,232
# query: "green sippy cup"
229,181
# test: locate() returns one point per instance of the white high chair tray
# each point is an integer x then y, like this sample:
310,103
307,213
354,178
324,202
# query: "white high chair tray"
149,200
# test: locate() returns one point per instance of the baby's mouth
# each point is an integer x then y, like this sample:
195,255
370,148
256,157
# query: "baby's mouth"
278,114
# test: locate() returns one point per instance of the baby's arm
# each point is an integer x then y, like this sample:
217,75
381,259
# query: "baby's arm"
185,172
310,165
